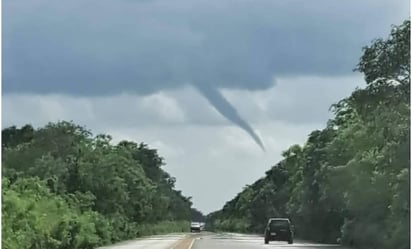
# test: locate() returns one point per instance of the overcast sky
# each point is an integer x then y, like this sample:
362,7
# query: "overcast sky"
203,81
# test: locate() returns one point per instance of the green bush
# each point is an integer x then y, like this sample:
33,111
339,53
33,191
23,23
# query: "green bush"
35,218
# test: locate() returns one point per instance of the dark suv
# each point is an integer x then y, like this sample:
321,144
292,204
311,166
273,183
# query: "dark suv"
279,229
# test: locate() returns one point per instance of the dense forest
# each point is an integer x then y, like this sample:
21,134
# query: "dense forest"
64,188
350,181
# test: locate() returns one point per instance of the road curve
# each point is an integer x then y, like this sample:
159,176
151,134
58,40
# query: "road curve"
206,240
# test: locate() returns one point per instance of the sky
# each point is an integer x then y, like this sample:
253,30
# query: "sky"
219,87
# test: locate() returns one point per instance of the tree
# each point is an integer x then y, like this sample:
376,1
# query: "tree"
349,181
103,192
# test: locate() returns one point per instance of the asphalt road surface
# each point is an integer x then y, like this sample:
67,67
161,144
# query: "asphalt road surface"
207,240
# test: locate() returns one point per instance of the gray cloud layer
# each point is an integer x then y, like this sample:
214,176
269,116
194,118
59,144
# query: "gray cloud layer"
99,47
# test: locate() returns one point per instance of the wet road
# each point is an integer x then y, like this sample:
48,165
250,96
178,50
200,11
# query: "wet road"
207,240
170,241
234,241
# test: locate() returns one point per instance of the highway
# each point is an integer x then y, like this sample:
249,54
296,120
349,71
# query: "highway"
206,240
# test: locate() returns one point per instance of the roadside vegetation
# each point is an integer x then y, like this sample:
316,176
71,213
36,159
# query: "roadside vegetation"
350,181
64,188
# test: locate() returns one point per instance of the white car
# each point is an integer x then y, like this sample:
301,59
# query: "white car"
195,227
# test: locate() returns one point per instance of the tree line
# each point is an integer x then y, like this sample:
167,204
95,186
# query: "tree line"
64,188
350,181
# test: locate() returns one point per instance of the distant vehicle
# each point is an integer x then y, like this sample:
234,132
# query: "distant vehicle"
279,229
195,227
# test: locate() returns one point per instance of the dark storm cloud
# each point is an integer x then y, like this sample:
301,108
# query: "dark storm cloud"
99,47
102,47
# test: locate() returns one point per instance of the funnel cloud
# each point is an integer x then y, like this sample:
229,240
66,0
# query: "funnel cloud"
223,106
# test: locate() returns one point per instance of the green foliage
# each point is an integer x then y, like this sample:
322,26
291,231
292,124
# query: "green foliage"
197,215
164,227
33,217
350,181
64,188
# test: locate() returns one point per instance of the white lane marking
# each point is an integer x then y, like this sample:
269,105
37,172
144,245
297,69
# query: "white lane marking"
178,241
191,244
